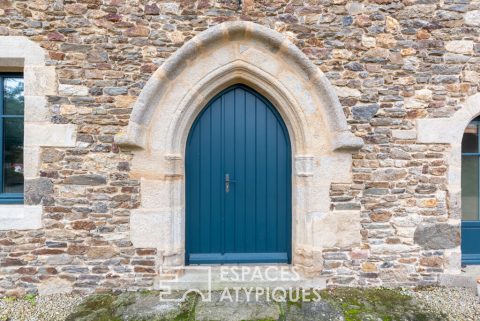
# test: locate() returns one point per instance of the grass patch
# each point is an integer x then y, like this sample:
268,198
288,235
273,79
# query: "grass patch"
9,299
31,298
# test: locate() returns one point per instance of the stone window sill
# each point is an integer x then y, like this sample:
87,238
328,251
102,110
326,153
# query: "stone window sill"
20,217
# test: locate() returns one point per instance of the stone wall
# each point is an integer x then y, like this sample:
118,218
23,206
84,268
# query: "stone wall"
392,63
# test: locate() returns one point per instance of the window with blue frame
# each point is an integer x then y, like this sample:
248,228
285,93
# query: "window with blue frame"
471,193
470,171
11,136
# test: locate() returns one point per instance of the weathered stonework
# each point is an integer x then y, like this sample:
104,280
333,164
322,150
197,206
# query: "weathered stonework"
20,53
104,212
229,53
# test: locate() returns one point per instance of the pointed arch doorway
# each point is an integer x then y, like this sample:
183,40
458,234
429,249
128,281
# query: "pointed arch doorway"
238,182
162,117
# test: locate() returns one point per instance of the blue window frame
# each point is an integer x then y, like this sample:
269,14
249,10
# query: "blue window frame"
11,137
471,193
470,171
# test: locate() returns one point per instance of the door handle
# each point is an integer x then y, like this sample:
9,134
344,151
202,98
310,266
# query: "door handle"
227,182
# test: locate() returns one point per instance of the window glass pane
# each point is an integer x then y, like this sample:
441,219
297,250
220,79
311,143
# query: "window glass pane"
13,155
470,188
470,139
13,96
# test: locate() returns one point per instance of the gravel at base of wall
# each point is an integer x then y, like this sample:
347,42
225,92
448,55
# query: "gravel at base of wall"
43,308
459,304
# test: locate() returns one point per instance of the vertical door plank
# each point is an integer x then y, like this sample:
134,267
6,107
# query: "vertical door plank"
261,181
217,190
229,168
240,159
193,188
283,200
271,195
205,180
250,173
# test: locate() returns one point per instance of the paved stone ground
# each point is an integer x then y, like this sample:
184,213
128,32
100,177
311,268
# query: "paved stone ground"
342,304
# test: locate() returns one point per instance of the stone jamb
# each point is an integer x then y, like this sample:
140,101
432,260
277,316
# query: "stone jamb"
247,53
432,131
22,54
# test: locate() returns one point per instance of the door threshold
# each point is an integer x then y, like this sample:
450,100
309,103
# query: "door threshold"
238,258
219,277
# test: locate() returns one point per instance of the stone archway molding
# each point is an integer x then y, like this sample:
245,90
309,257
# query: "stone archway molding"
180,61
322,144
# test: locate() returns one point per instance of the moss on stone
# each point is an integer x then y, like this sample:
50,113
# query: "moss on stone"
353,304
131,306
378,304
187,309
98,307
149,292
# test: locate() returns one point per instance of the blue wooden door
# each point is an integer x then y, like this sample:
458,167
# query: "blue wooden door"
238,182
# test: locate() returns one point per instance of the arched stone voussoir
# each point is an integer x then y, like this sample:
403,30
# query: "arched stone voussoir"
243,36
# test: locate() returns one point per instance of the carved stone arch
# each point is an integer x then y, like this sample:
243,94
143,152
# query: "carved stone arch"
247,53
247,39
